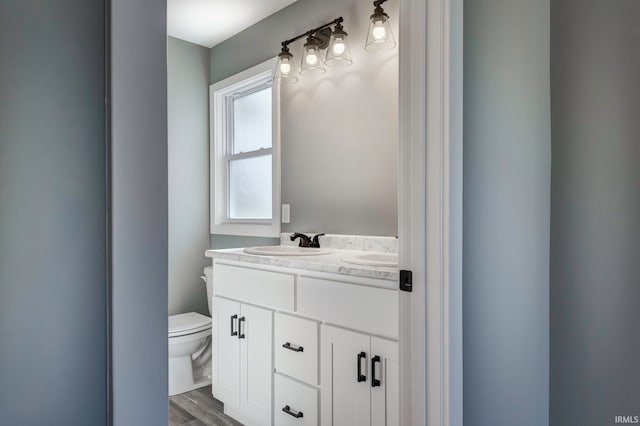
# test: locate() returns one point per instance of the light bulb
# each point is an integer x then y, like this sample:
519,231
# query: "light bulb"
311,58
338,47
285,68
378,31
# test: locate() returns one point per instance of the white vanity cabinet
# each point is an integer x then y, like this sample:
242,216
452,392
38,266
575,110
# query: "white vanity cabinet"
295,347
242,363
360,379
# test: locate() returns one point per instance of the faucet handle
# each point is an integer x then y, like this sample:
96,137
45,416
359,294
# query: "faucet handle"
315,242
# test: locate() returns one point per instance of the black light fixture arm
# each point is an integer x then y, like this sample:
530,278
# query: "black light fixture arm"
315,30
377,3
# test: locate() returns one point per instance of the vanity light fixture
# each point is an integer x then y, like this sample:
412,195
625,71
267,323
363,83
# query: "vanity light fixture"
311,62
338,54
380,36
285,71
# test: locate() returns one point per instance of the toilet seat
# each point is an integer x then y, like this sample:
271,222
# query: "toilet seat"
188,323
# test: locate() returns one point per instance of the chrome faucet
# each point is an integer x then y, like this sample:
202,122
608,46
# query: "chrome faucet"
306,241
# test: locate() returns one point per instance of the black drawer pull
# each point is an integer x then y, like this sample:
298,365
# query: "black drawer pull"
233,331
240,328
360,357
292,348
296,414
374,382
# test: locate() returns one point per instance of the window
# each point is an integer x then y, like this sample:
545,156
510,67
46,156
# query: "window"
245,155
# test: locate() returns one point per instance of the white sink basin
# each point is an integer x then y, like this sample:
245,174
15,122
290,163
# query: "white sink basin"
287,251
373,259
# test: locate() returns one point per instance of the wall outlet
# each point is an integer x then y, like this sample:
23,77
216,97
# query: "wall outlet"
286,213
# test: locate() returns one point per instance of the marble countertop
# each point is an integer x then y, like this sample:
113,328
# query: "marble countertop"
329,263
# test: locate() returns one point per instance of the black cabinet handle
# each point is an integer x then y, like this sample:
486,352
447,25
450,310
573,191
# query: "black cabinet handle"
291,348
233,318
360,357
296,414
240,330
374,382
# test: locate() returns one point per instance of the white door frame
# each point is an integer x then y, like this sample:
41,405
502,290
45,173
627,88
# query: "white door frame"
429,211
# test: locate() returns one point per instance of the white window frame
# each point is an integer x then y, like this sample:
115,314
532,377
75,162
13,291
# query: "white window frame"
220,122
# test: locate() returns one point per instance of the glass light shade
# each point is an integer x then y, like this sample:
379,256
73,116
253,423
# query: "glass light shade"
311,64
338,53
380,36
286,68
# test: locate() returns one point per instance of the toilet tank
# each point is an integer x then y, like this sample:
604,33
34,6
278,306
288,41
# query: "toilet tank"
208,273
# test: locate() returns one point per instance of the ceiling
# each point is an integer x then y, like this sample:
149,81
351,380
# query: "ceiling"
208,22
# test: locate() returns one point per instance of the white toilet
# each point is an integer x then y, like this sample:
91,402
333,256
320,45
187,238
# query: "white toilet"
190,347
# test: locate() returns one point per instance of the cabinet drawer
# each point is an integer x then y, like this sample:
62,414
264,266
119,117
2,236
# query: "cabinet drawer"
369,309
296,347
266,288
297,400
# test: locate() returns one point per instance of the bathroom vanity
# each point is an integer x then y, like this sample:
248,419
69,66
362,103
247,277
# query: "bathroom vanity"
305,340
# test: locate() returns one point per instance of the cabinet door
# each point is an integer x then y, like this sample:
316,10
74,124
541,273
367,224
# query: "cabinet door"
256,361
345,377
385,383
226,352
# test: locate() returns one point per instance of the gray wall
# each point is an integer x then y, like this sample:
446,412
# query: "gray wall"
188,161
52,213
595,334
339,131
506,213
233,241
139,192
